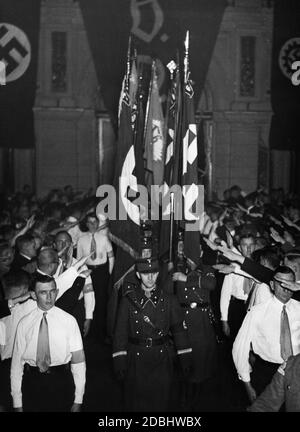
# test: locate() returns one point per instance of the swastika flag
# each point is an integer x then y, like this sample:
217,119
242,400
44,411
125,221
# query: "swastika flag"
19,33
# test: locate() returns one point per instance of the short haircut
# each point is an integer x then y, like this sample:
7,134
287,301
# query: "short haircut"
65,233
43,279
268,254
247,236
23,241
285,270
293,257
46,256
12,282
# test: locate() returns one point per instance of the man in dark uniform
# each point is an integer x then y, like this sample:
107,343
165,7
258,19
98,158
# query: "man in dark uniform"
143,352
194,298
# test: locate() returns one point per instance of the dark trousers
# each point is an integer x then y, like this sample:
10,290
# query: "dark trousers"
262,373
48,392
236,315
5,396
100,278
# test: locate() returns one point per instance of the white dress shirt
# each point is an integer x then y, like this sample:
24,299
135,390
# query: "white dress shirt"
103,247
64,338
260,293
233,285
11,322
261,328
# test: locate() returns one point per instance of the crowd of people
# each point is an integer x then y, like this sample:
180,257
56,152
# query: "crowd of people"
173,320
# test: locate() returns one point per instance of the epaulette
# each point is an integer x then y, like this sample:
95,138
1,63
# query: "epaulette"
281,368
127,288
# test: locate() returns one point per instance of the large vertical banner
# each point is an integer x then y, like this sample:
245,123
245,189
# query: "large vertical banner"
19,34
285,95
158,28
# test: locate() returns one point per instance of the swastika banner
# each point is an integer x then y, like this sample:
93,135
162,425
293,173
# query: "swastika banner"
19,33
285,95
158,28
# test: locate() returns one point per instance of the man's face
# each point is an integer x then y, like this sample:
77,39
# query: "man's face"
148,280
92,224
281,293
62,240
247,246
45,295
7,257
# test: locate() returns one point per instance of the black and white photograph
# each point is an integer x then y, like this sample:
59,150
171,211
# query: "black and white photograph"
149,210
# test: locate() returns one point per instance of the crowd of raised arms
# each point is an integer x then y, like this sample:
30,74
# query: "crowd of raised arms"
57,265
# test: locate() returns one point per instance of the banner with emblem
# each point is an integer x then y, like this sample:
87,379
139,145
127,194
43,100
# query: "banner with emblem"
190,179
285,91
155,134
19,34
158,28
125,229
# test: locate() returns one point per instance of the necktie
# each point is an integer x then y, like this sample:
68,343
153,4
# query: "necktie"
286,349
93,248
43,359
252,296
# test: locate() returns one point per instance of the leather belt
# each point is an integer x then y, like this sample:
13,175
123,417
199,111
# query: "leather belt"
149,342
52,369
237,300
194,305
93,267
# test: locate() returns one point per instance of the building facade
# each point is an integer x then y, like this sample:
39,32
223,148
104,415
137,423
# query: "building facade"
75,143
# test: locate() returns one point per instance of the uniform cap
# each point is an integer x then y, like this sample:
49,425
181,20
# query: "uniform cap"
147,265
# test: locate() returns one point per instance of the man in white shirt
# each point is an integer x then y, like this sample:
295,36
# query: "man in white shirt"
101,262
48,357
234,294
262,331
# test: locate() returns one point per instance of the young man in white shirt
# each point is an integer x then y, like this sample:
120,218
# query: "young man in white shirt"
48,356
101,263
261,331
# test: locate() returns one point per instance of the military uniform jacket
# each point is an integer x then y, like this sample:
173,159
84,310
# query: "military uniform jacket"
149,367
194,298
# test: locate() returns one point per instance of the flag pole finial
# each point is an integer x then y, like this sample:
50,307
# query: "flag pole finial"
186,54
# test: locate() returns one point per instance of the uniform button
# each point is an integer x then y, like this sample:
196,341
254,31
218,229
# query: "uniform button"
187,312
161,299
288,387
137,332
162,310
161,351
185,289
186,296
193,288
137,321
137,353
135,312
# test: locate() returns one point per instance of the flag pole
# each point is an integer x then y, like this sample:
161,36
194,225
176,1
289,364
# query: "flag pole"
186,55
171,227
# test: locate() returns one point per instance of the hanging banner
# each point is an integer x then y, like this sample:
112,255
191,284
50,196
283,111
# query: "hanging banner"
285,90
158,29
19,34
